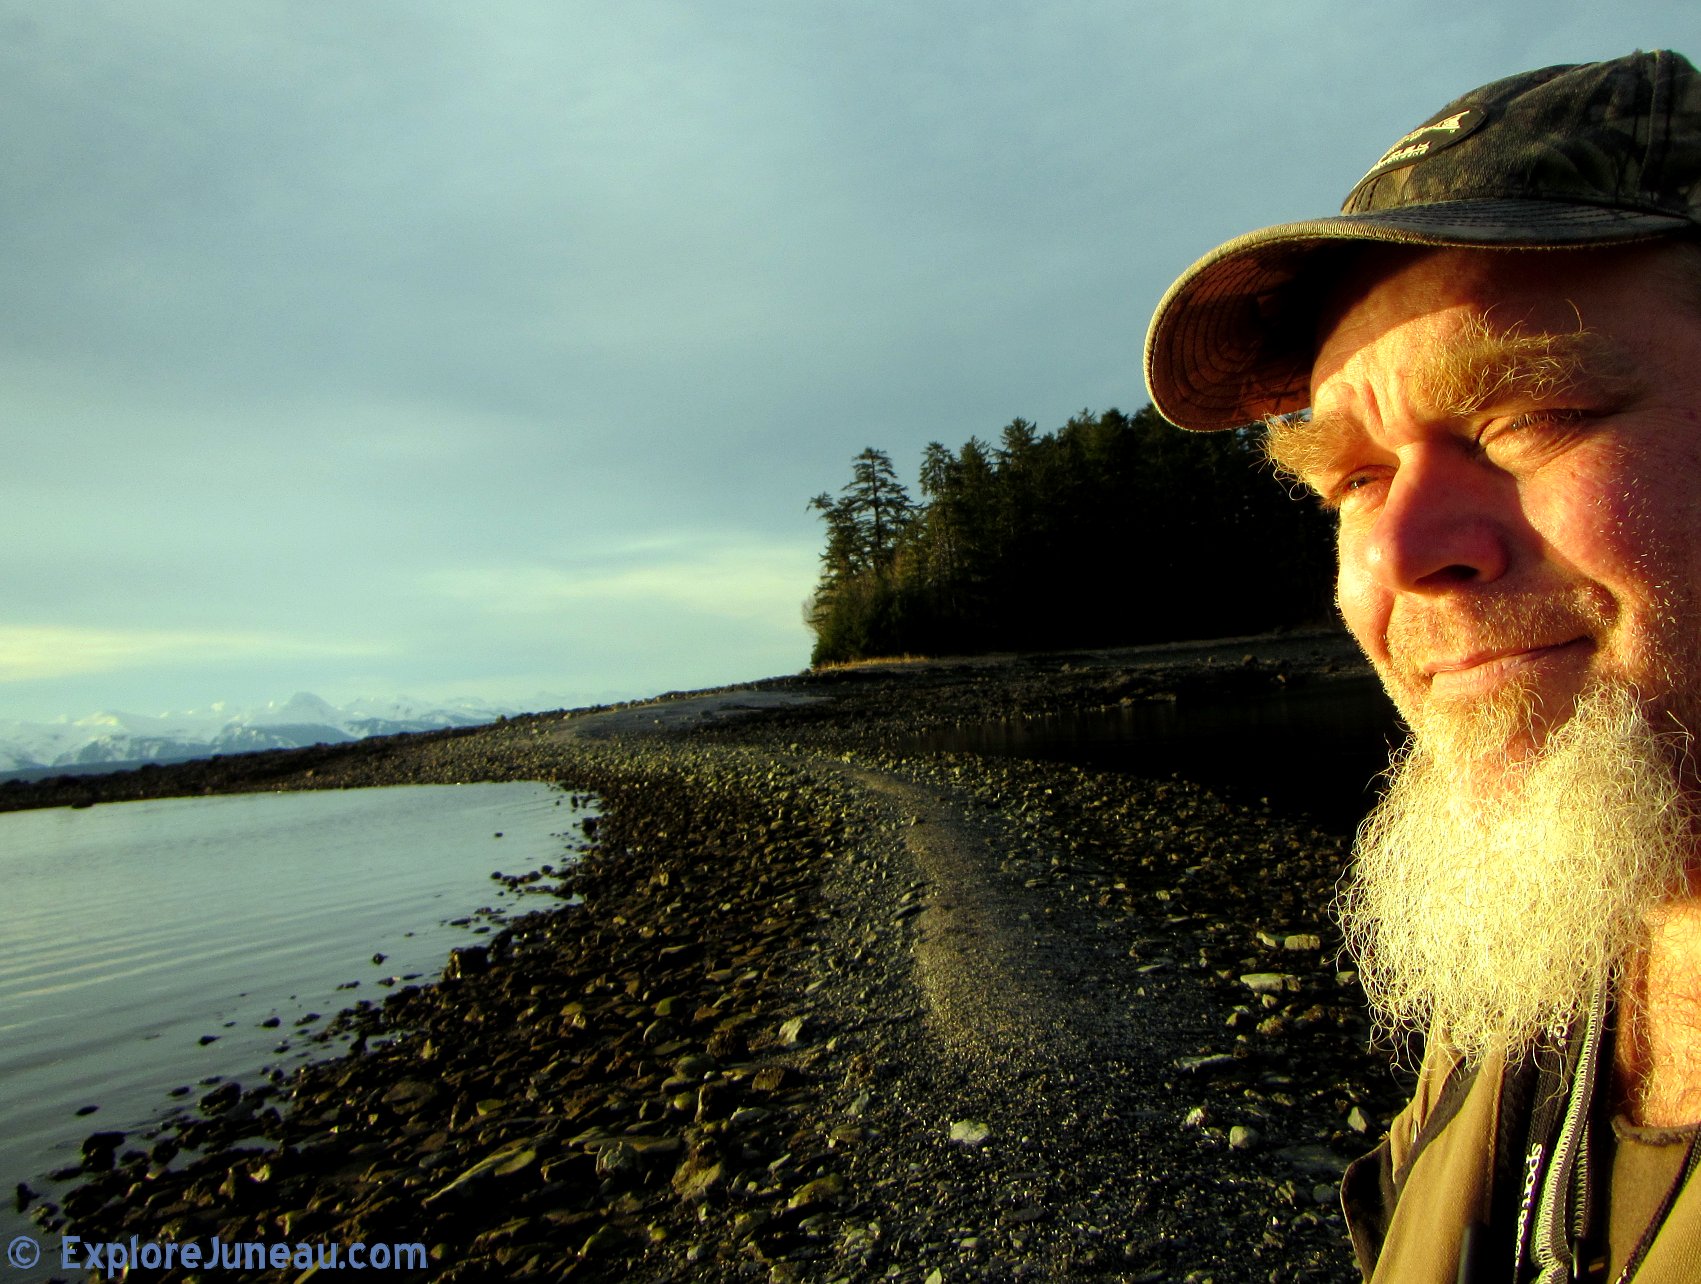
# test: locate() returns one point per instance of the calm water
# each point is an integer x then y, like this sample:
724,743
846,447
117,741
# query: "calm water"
1316,751
130,931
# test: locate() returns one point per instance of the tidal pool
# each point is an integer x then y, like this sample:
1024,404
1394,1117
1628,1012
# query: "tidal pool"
1317,750
153,946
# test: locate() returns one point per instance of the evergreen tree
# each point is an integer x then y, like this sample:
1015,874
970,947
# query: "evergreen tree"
855,610
865,522
1113,529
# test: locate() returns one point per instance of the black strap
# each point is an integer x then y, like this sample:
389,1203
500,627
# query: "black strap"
1489,1248
1482,1256
1533,1095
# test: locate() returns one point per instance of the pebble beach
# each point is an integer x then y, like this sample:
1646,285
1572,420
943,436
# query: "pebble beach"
820,1008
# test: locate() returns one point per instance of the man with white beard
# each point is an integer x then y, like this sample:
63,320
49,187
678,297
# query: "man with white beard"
1489,366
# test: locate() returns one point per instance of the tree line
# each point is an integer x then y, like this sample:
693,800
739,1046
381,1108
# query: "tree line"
1114,529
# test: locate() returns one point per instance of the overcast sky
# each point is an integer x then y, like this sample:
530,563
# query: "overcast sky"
373,347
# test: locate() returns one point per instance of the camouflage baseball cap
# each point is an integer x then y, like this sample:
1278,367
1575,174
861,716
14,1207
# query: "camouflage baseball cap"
1594,154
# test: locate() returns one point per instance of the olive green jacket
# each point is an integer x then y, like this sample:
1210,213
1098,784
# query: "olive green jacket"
1409,1201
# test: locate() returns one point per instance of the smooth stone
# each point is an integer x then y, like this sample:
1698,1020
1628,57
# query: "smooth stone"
487,1167
408,1091
823,1190
465,961
221,1098
697,1176
98,1148
1313,1159
603,1242
970,1133
617,1160
748,1223
694,1066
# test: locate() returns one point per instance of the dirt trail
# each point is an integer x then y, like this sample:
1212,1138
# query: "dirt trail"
1002,978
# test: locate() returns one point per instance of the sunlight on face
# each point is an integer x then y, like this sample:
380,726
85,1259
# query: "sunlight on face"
1517,474
1514,467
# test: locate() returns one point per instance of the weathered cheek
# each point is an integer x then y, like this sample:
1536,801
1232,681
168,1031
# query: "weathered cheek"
1685,471
1362,603
1629,524
1593,515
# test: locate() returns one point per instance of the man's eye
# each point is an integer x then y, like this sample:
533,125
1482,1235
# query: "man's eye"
1353,484
1534,423
1535,419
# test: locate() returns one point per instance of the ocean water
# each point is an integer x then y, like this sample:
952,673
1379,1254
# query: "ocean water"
145,946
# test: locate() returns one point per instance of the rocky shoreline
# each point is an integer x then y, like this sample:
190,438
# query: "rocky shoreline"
828,1010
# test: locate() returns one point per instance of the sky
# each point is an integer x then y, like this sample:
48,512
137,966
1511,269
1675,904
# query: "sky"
494,351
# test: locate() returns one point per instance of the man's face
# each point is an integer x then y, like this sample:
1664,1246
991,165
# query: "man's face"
1513,443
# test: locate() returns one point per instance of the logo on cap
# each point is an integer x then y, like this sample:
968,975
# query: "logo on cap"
1426,140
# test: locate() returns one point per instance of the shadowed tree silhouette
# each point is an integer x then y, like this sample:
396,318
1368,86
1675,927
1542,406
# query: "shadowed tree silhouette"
1113,529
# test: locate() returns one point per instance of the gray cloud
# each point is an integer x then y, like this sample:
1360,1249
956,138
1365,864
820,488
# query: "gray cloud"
310,306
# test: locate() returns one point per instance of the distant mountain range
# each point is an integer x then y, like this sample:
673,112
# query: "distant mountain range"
103,740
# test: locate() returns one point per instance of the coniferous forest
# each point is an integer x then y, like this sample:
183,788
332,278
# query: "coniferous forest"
1113,530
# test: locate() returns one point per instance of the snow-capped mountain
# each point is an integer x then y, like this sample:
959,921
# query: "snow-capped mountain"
303,719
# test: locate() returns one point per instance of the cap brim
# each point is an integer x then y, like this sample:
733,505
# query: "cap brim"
1232,341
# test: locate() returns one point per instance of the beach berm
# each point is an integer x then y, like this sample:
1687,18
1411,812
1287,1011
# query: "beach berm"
825,1008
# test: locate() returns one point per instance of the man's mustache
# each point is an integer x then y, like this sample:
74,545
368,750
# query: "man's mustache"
1422,638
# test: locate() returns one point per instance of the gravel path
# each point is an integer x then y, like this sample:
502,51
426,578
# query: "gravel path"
1000,988
1050,1006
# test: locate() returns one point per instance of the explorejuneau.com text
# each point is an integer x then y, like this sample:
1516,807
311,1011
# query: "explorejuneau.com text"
215,1254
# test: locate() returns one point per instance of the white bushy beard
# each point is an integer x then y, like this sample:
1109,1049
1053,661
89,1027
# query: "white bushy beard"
1490,896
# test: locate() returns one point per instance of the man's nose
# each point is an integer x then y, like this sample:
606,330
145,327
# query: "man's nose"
1441,525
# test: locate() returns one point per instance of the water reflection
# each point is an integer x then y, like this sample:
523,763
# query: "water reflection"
147,946
1315,751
